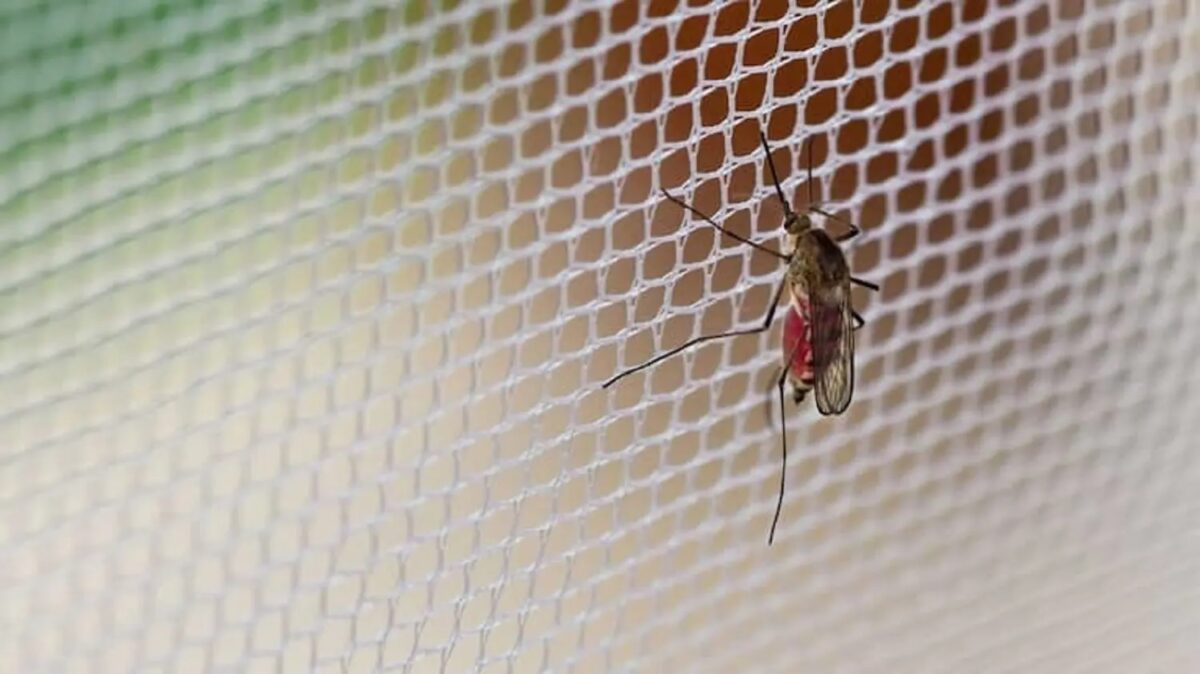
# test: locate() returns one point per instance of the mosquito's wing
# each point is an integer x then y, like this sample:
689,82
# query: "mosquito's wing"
832,326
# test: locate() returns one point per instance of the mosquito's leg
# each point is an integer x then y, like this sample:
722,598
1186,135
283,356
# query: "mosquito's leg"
857,319
724,231
774,303
778,371
866,284
783,435
842,238
854,229
706,338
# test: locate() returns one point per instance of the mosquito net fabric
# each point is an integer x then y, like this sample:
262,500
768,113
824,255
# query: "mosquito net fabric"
305,307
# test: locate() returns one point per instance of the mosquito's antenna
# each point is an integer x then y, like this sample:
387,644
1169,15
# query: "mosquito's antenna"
774,176
763,327
808,151
783,435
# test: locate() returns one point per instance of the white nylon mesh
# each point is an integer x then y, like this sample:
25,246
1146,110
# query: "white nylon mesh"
304,308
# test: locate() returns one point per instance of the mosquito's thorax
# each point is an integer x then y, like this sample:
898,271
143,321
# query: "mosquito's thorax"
816,263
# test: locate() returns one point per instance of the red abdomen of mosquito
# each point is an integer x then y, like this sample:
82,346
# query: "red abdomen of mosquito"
797,345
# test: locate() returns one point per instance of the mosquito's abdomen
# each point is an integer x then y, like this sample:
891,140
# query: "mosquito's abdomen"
796,340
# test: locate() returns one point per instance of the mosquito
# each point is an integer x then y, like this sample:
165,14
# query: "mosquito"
818,338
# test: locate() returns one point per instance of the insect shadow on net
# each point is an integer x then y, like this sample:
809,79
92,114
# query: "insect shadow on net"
818,339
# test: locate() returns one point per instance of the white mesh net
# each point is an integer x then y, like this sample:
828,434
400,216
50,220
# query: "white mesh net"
304,308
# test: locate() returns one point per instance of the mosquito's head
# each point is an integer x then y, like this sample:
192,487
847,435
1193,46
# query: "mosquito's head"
797,223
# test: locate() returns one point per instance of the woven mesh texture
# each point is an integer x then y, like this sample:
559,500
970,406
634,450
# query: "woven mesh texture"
305,307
